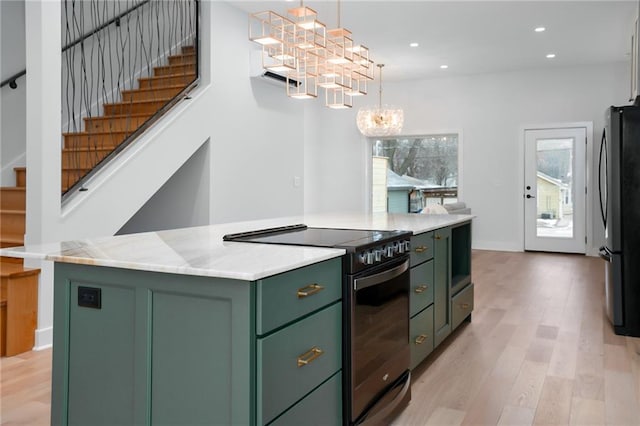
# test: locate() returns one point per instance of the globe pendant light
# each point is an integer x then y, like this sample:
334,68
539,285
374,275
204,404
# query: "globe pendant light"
382,120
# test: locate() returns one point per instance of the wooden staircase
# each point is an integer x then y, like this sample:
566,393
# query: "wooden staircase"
101,136
18,285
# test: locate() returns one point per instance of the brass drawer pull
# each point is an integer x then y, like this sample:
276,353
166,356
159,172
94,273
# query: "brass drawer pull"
309,356
421,288
437,237
465,305
421,249
420,339
309,290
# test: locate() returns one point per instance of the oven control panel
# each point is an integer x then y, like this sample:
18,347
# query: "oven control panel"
384,252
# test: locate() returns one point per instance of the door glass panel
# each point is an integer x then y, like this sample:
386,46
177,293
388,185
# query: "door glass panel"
555,188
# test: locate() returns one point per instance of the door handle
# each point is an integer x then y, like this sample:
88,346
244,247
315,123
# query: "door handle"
530,196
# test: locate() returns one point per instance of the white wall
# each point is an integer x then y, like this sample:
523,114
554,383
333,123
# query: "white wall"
183,201
12,102
490,110
257,143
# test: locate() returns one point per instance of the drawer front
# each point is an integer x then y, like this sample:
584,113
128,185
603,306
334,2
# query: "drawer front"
283,298
290,364
462,305
421,334
421,294
421,248
321,407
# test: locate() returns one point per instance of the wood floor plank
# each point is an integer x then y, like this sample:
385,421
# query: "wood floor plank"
586,412
554,406
516,416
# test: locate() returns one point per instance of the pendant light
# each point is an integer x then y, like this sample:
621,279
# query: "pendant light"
382,120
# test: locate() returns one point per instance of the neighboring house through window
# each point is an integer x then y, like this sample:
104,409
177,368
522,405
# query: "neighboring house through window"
411,172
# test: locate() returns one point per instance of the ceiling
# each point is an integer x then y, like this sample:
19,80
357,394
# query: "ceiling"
473,37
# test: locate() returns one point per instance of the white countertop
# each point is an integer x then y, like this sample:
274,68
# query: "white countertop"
201,251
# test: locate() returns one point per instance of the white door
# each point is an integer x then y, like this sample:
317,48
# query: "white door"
554,190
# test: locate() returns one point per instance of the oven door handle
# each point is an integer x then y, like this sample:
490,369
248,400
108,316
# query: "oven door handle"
360,283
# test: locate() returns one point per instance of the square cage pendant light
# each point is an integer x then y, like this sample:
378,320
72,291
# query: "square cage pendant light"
310,56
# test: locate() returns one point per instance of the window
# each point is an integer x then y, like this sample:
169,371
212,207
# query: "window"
411,172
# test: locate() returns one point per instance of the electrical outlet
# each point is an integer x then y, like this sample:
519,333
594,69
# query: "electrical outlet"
296,181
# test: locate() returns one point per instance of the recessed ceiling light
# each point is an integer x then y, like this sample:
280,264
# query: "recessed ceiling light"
551,55
444,67
540,29
414,44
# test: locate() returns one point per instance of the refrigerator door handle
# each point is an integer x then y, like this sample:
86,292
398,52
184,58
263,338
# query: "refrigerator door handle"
605,253
603,146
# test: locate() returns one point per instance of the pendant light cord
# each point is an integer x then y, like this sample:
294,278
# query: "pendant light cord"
380,86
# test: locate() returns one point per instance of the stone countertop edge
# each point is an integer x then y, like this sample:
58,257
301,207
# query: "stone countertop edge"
201,251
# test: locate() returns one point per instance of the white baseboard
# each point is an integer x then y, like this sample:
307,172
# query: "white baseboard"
44,338
495,245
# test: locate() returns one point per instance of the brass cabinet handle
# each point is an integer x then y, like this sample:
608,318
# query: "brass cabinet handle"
437,237
309,356
421,249
309,290
464,306
420,339
421,288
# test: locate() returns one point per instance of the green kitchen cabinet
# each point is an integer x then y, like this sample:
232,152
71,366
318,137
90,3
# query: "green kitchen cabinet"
442,283
441,293
138,347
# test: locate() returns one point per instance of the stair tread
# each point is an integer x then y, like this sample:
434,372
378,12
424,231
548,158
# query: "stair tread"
155,89
13,188
146,101
20,168
97,133
12,211
15,270
91,149
117,116
12,238
158,77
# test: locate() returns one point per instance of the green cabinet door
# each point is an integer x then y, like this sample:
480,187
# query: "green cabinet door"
442,283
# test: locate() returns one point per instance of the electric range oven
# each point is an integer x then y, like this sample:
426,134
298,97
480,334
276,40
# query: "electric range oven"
376,351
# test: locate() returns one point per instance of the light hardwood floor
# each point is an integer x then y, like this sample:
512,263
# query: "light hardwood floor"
538,351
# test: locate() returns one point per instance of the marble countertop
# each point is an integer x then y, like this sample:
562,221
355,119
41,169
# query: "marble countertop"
201,251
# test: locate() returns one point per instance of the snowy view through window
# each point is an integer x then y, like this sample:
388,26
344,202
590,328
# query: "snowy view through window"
410,173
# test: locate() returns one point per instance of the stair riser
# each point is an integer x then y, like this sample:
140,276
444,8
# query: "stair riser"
122,109
146,95
182,60
83,159
174,69
10,199
188,49
94,141
70,177
5,259
120,124
153,83
21,178
12,223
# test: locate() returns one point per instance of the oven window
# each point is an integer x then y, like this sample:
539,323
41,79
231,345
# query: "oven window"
380,324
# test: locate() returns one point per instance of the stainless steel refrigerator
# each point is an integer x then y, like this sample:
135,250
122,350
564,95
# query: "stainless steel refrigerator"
619,185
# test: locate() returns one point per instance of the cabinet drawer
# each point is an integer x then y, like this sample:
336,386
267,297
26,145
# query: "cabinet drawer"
421,335
421,248
461,305
290,364
321,407
421,294
283,298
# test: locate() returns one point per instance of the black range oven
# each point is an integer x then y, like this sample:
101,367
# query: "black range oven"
376,352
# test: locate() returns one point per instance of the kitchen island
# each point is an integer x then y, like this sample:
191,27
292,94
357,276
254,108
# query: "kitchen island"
177,327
